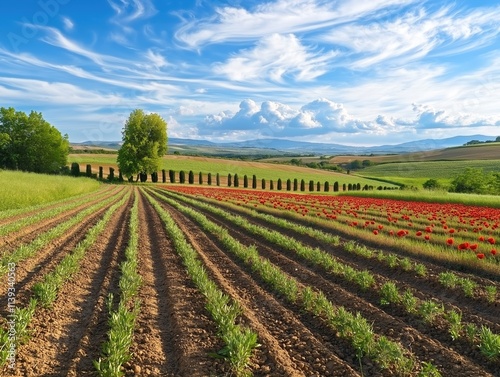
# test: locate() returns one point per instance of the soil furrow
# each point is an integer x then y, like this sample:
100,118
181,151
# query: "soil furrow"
68,335
471,308
49,206
29,233
31,270
289,348
342,294
174,334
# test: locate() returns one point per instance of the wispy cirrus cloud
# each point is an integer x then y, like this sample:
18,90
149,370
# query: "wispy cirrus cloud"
281,17
414,35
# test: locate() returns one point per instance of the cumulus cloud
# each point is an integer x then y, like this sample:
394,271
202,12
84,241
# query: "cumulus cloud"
325,117
315,118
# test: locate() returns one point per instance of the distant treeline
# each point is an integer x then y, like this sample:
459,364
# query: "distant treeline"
474,142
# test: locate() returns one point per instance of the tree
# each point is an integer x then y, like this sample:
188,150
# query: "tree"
431,184
30,143
144,143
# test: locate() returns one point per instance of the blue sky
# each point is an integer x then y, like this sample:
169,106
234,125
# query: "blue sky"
358,72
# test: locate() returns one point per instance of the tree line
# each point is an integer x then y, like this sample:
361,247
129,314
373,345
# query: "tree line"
30,143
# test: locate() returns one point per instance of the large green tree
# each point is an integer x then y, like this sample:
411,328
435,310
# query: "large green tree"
144,144
29,143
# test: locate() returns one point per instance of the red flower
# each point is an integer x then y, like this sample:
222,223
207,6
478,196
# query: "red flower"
451,231
427,237
480,255
491,240
419,233
375,231
473,246
493,252
449,241
481,238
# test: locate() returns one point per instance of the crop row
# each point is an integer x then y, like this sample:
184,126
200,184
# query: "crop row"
386,353
122,319
45,292
25,251
48,212
239,340
429,310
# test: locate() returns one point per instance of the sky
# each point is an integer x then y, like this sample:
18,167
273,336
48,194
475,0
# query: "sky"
354,72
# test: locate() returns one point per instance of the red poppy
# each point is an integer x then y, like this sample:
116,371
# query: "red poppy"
427,237
449,241
419,233
480,255
375,231
493,252
491,240
473,246
481,238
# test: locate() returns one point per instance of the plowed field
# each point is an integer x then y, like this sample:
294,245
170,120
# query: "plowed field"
175,334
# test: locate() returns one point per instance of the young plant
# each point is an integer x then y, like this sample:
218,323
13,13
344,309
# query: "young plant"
389,294
429,310
454,319
489,343
491,293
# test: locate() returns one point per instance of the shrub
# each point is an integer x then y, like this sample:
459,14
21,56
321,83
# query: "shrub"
296,184
182,177
191,177
111,175
271,184
254,181
163,176
288,185
229,180
154,177
327,186
101,173
302,185
88,171
171,176
236,180
200,178
311,185
75,169
209,178
263,185
280,185
245,181
217,179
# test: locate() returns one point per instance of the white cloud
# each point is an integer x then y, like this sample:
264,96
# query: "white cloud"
327,118
131,10
68,24
274,57
282,16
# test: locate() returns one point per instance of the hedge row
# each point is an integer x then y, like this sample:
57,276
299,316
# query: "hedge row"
232,180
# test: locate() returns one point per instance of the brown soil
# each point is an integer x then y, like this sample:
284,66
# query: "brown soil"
430,343
175,335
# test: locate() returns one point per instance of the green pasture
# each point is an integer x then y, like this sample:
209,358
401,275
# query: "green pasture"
416,173
225,167
21,189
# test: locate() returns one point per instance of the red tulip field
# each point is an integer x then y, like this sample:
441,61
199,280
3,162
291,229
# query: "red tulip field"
206,281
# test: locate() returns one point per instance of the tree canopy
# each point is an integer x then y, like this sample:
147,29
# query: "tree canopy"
29,143
144,143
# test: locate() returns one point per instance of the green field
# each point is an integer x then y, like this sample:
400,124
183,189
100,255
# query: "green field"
416,173
21,190
225,166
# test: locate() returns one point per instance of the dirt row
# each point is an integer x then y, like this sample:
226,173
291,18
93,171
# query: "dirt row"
175,335
458,358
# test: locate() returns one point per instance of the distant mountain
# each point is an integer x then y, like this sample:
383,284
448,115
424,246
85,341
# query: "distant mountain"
303,147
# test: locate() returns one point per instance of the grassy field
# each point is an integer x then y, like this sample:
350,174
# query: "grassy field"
226,166
416,173
21,190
